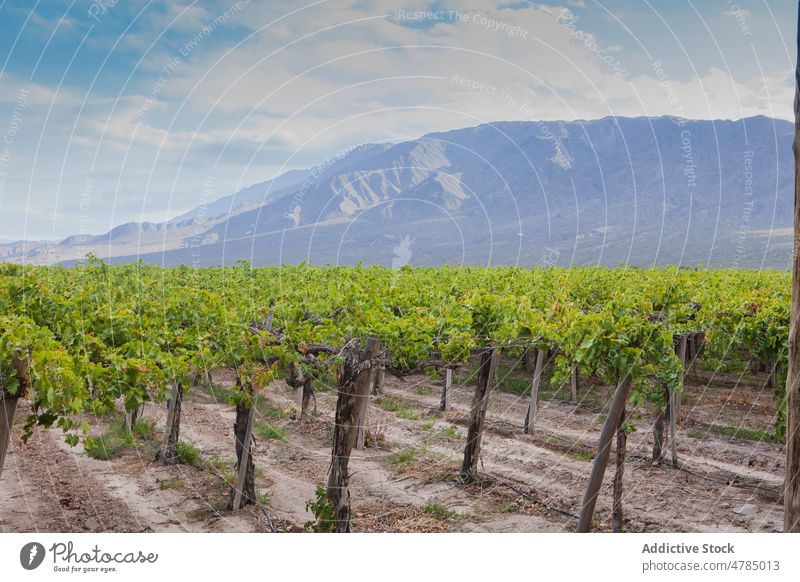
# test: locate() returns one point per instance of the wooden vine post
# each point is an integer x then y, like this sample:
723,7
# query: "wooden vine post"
244,493
8,402
658,429
683,348
622,442
674,402
362,422
448,386
673,426
574,384
533,405
168,453
377,379
354,388
480,402
600,463
131,416
791,496
298,382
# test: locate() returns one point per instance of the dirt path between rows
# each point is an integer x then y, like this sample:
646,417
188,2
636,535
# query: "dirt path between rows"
406,481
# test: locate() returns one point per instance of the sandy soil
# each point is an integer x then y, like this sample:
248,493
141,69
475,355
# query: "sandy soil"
405,480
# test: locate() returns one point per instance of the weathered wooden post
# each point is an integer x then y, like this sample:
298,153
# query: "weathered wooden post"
603,451
480,402
616,511
245,478
131,416
791,495
683,342
244,492
574,384
673,425
300,381
354,387
377,379
168,453
658,429
448,385
533,405
362,423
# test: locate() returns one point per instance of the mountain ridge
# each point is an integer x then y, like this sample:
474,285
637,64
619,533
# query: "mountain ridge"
634,190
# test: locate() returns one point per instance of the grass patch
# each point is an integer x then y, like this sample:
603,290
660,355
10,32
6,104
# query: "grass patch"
427,425
117,438
514,384
104,447
439,511
271,411
224,470
698,434
189,454
745,433
398,407
401,461
450,432
268,432
580,455
198,514
145,429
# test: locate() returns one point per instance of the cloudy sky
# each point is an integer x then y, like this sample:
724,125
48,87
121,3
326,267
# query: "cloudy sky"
120,110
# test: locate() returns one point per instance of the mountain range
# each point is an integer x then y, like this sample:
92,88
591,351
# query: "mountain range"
639,191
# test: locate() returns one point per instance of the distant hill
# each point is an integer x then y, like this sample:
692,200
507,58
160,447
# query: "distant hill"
640,191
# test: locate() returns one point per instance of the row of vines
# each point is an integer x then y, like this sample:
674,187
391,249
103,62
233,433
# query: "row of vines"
96,338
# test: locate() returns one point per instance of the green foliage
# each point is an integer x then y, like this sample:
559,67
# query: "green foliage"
117,437
451,432
145,429
438,511
401,461
98,334
747,433
323,511
189,454
268,432
401,409
105,446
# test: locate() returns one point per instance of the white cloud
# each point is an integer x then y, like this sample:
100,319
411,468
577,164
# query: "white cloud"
333,76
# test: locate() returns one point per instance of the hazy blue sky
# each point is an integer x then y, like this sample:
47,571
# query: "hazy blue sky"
117,111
